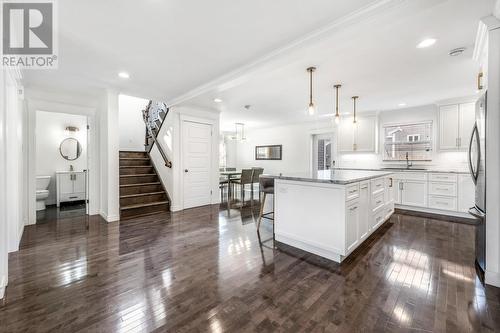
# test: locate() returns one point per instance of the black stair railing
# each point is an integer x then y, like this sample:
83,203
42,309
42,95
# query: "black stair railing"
154,116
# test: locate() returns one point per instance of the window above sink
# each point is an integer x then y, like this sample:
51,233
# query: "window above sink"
409,141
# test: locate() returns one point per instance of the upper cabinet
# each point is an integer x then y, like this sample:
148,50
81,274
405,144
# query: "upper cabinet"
361,137
455,126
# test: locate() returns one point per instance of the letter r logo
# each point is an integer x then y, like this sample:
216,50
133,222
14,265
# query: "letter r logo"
27,28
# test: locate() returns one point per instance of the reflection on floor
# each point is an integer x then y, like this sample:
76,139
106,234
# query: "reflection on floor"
68,210
206,270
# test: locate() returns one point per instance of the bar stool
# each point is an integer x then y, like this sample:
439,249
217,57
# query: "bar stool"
266,187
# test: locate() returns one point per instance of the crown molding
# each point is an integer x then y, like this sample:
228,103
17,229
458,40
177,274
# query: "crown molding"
241,74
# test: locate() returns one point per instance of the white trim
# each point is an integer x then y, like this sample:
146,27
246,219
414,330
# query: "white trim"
3,286
243,73
434,211
331,253
492,278
110,218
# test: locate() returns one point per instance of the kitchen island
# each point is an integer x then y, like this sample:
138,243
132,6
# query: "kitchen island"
332,212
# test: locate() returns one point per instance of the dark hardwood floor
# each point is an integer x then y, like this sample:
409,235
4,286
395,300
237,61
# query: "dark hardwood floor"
205,270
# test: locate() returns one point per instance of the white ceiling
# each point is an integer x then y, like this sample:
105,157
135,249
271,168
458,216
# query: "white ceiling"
169,47
375,57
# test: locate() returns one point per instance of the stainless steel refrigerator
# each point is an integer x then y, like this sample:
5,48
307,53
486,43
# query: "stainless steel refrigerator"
477,166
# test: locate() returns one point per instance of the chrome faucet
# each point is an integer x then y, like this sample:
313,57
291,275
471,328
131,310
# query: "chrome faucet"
408,163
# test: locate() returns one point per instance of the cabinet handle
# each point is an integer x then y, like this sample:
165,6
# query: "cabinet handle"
353,191
441,189
354,208
378,202
460,142
364,187
479,81
442,203
378,185
390,184
73,197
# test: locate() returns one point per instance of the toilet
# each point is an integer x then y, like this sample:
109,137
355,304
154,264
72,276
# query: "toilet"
42,192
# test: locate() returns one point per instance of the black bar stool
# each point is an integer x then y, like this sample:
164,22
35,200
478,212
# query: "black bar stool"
266,187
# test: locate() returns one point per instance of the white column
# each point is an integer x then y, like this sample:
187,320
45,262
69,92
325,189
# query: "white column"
109,147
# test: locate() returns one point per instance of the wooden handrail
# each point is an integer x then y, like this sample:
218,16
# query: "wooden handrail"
145,116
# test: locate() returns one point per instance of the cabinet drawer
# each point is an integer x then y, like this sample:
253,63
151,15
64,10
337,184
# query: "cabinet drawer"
352,192
445,203
442,177
411,176
378,219
377,185
377,201
72,196
443,189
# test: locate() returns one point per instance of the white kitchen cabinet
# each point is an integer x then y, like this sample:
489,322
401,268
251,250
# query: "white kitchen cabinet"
466,193
364,208
352,221
467,113
70,186
455,125
414,193
357,138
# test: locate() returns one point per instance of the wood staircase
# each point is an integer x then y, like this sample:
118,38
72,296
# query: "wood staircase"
141,192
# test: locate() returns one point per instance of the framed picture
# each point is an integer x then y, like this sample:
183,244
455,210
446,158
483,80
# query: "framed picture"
272,152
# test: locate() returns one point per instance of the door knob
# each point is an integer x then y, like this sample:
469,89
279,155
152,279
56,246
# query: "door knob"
186,170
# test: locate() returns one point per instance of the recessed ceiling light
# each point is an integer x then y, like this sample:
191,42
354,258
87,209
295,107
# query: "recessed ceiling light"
426,43
217,100
124,75
402,104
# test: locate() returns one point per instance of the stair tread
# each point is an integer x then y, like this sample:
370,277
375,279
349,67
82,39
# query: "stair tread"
140,184
135,166
149,204
139,175
140,194
134,158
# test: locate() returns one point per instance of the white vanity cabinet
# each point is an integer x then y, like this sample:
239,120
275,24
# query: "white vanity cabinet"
71,186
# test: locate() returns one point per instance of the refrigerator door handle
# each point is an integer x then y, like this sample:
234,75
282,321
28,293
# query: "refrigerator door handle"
474,173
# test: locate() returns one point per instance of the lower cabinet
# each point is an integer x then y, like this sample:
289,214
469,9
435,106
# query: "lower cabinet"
466,193
352,222
414,193
364,225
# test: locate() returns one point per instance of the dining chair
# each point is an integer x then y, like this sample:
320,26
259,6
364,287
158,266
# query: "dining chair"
245,179
257,171
267,187
223,182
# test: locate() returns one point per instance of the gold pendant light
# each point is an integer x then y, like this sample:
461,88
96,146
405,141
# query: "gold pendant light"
311,109
337,114
354,120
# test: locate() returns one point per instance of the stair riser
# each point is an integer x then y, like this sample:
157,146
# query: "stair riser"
134,162
143,210
143,199
133,154
138,180
135,171
140,189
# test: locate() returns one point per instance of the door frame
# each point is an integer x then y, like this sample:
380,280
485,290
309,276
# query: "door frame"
34,105
315,137
329,130
214,178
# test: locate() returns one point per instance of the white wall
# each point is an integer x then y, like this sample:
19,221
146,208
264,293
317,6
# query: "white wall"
132,128
3,191
171,141
49,133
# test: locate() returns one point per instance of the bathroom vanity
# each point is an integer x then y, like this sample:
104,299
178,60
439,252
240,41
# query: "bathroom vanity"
71,186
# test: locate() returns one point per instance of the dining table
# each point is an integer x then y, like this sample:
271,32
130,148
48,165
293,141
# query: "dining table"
230,175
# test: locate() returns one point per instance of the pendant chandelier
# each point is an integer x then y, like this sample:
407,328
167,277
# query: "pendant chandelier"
337,113
311,109
354,120
239,132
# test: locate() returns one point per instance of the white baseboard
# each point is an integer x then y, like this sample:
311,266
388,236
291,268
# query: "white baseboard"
435,211
492,278
175,208
3,285
110,218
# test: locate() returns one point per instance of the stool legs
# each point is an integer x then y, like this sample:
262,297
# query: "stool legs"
261,210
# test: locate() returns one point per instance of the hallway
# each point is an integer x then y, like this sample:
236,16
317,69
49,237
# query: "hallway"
200,270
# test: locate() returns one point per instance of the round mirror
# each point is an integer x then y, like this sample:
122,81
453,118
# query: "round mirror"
70,149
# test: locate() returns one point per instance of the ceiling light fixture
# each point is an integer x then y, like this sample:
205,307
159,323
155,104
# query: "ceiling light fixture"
354,119
337,114
217,100
402,104
124,75
311,109
456,52
426,43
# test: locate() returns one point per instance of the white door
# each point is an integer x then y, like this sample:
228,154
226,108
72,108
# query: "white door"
197,156
346,135
466,121
365,134
322,152
414,193
466,193
364,210
448,127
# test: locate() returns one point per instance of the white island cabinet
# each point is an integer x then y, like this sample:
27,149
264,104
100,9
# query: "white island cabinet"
332,213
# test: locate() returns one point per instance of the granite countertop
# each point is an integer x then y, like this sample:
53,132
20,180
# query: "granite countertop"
416,169
339,177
